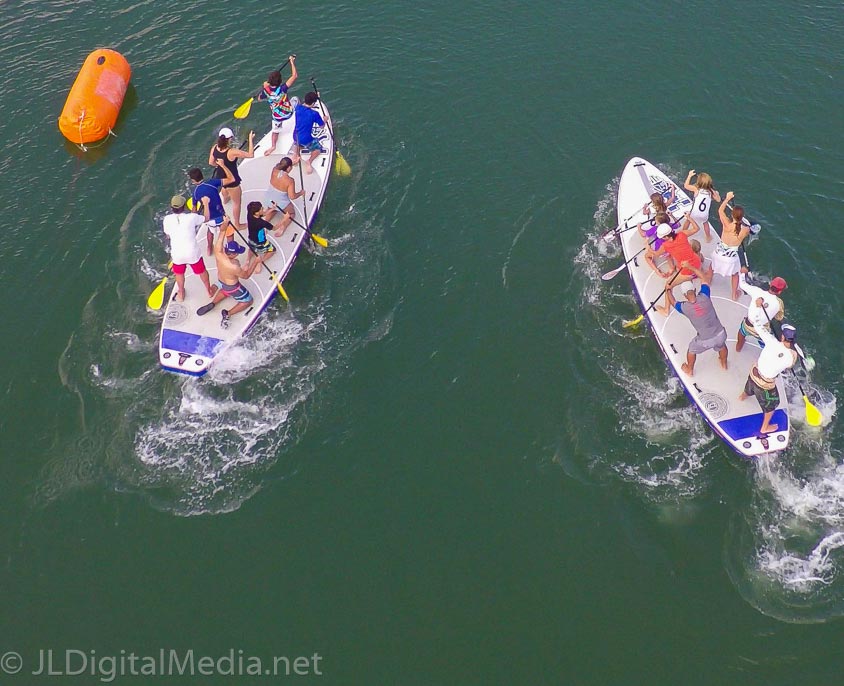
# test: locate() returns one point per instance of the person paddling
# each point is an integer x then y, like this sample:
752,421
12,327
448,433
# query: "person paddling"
181,228
281,105
207,201
698,308
757,318
229,273
281,194
775,358
303,138
676,246
222,150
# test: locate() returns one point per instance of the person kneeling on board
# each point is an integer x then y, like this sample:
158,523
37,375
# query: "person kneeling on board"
757,318
258,227
676,245
698,308
775,358
229,272
181,228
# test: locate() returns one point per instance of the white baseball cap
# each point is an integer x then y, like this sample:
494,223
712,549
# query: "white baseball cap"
227,132
687,287
663,230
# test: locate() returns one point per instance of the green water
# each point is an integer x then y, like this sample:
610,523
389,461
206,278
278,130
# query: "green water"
444,463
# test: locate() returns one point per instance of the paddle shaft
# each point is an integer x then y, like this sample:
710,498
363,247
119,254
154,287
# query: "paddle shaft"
610,274
261,89
252,250
322,112
308,232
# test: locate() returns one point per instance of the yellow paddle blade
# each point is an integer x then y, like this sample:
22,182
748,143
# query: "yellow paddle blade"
156,298
319,240
813,414
341,166
190,204
243,111
280,287
632,322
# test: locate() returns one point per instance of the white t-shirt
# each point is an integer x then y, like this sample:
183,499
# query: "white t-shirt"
182,229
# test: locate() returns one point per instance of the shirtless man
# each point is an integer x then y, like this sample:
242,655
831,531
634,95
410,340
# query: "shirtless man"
229,273
281,194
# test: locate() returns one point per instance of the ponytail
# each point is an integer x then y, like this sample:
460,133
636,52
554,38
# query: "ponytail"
738,215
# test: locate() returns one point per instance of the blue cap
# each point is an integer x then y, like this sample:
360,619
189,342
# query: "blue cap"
235,247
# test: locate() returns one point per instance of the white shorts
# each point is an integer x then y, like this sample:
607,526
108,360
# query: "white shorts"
213,225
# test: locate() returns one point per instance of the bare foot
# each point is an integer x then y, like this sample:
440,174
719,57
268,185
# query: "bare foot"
769,429
180,297
685,368
269,151
743,396
723,363
308,168
212,290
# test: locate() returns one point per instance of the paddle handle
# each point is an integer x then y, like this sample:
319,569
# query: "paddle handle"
261,89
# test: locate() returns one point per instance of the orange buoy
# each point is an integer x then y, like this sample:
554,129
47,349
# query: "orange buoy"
95,99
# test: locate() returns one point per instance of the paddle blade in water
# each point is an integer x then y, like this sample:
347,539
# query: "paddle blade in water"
813,414
341,166
243,111
156,298
319,240
628,323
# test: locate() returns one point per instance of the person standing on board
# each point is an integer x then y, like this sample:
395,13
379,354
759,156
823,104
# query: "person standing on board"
757,318
229,273
281,105
281,194
222,150
207,200
181,228
777,356
704,193
725,257
698,308
303,138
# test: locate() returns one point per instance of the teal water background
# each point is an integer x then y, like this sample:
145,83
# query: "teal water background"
445,463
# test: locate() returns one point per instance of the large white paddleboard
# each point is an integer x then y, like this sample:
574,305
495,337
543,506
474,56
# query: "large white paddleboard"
189,343
714,391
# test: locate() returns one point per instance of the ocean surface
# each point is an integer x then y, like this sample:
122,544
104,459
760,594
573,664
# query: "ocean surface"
445,462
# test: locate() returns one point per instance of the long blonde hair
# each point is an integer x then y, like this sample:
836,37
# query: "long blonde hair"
703,182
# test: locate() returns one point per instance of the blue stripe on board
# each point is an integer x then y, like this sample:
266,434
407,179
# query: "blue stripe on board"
182,341
748,425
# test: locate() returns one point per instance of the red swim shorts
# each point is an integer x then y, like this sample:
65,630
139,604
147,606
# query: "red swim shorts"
197,267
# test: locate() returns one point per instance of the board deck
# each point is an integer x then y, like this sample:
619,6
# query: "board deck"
189,343
713,390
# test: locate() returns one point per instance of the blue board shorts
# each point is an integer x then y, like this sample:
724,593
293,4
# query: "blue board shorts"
237,291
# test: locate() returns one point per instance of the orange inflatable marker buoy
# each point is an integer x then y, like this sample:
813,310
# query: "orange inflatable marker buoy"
95,99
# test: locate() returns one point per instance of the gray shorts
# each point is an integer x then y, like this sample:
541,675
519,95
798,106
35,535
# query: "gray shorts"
699,345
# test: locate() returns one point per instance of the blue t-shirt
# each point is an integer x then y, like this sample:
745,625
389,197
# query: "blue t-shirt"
210,188
306,117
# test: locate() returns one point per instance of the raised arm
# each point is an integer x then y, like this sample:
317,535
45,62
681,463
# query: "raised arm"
293,73
687,184
722,213
220,238
246,154
672,197
211,159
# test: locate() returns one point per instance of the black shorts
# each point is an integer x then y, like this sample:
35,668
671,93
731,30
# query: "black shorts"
768,400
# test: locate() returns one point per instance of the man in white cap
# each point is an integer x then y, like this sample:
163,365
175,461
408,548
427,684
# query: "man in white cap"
181,228
775,358
698,308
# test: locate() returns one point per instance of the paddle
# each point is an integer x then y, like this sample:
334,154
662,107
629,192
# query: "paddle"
612,233
340,165
813,414
243,111
316,239
629,323
273,275
156,298
611,274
